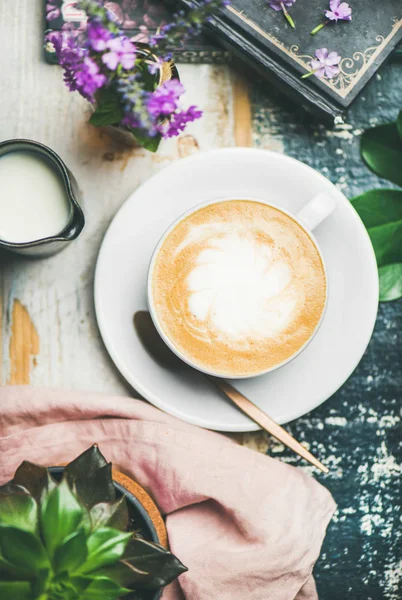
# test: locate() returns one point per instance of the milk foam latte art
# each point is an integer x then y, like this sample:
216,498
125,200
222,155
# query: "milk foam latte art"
238,287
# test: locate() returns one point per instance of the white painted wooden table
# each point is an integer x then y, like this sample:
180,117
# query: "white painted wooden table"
49,335
48,330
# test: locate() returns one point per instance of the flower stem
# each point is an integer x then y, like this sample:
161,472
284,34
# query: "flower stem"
287,16
318,28
309,74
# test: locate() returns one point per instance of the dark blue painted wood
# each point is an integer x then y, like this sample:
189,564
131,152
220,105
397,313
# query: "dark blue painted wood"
357,433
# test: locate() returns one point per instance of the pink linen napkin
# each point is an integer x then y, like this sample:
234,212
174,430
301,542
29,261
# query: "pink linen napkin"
247,526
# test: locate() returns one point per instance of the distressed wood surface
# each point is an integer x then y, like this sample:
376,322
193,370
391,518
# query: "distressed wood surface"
48,330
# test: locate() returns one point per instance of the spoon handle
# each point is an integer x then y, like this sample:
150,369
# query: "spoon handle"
262,419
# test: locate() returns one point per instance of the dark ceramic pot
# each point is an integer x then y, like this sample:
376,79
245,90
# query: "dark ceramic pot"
140,520
49,245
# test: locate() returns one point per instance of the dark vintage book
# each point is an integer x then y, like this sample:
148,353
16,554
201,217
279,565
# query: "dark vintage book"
139,19
264,41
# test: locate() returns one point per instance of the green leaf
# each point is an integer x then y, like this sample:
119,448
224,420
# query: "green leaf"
96,487
18,508
151,558
103,588
399,124
386,241
381,213
90,460
381,149
390,282
105,547
15,590
110,514
61,590
150,143
71,553
379,207
127,574
35,478
109,110
39,585
92,476
61,514
23,549
80,583
9,572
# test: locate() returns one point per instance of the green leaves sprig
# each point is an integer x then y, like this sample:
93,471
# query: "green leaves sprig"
381,209
69,541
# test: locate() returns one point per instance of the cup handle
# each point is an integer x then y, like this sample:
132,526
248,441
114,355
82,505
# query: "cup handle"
315,211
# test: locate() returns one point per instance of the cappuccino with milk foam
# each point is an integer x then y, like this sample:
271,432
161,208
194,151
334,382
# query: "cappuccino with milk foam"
238,287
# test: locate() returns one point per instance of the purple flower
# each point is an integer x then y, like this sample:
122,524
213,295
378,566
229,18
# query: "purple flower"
81,73
131,120
185,25
52,11
121,52
278,4
164,100
179,120
114,9
338,11
98,36
326,63
88,79
154,66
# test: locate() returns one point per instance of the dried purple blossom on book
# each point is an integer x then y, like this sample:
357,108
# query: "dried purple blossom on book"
325,65
338,11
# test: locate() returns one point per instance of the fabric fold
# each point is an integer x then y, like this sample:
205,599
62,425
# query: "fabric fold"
246,525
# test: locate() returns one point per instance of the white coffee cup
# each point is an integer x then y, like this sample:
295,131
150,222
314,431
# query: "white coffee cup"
310,217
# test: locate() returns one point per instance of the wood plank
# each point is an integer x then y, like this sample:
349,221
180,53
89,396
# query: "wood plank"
24,345
57,293
242,114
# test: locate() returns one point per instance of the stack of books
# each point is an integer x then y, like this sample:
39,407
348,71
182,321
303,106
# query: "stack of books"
260,38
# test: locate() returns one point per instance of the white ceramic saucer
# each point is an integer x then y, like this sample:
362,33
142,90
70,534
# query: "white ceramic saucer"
121,274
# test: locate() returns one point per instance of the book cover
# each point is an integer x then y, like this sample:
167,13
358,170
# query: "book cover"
262,38
139,19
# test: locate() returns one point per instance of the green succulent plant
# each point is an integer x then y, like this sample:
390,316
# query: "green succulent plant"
68,540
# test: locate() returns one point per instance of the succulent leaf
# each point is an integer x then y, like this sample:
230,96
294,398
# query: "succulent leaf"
162,566
105,546
67,541
103,588
71,553
39,585
35,478
17,590
126,574
11,488
22,548
97,486
9,572
18,508
86,463
110,514
61,515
